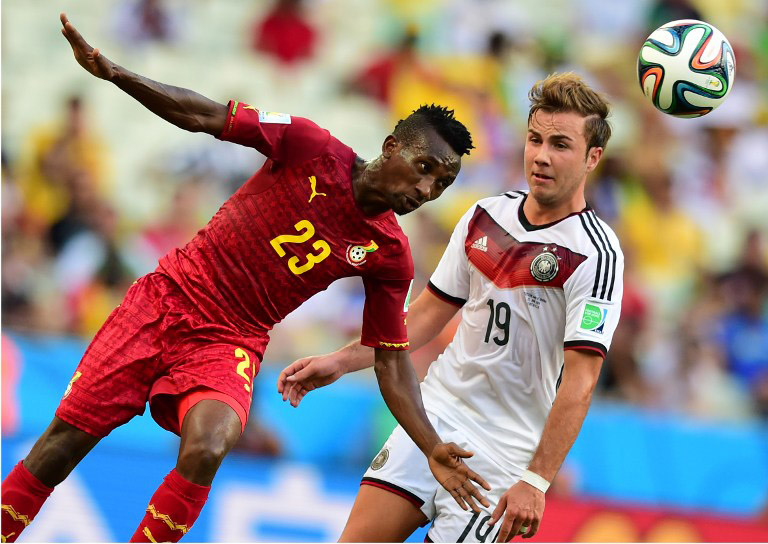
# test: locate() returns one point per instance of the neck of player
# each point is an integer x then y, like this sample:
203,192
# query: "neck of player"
541,212
365,182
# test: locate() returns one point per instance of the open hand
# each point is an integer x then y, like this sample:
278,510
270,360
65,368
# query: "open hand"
456,477
307,374
522,507
88,57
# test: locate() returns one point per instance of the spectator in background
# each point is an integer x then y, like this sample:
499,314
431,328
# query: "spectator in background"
173,229
665,241
141,22
284,33
91,269
375,78
742,332
664,11
52,155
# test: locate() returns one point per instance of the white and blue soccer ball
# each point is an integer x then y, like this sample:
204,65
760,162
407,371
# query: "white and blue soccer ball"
686,68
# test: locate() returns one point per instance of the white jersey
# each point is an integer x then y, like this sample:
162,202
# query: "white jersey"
527,293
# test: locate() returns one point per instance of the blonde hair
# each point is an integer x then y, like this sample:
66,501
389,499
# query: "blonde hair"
567,92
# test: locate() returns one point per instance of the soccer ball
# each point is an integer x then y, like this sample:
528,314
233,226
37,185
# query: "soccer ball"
686,68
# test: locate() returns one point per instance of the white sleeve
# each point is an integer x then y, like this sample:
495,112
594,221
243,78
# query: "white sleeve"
450,280
593,302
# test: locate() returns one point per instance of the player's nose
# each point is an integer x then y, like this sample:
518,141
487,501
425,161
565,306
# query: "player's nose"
424,187
542,157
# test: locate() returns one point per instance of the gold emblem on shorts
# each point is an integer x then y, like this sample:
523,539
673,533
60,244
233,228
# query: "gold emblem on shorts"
380,460
71,383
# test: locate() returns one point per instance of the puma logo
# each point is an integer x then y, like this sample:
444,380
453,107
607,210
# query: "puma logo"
313,186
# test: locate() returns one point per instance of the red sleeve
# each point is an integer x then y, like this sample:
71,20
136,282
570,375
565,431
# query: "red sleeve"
386,307
277,136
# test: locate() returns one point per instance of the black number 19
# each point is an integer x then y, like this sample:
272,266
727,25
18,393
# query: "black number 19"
500,314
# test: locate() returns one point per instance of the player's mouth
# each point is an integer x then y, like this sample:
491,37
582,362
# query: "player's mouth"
542,178
411,203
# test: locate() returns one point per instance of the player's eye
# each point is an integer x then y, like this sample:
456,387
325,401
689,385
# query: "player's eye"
561,145
423,167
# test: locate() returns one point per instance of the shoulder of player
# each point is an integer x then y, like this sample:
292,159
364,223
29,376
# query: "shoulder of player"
495,205
508,198
596,236
595,239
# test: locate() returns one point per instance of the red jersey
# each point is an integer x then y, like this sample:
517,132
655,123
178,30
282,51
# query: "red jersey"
290,231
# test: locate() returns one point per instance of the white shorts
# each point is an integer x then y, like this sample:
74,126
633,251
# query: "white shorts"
400,467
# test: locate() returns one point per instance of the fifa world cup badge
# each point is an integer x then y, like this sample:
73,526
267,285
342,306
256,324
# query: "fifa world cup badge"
544,267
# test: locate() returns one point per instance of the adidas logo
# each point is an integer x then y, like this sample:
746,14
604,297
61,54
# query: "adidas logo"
481,243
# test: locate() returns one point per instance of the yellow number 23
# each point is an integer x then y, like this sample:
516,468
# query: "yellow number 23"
306,231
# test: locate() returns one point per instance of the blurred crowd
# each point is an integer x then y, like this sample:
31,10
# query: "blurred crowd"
688,198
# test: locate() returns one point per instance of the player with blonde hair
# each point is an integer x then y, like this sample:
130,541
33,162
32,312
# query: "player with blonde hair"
538,279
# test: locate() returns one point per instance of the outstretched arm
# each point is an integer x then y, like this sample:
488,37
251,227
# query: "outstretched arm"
184,108
427,316
524,503
400,390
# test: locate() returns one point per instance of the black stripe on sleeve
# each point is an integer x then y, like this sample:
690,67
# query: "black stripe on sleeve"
587,345
599,255
605,249
456,301
613,252
511,195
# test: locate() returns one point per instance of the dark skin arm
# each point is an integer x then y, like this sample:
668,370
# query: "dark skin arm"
400,389
184,108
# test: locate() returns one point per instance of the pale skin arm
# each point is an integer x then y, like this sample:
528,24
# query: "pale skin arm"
184,108
522,505
427,316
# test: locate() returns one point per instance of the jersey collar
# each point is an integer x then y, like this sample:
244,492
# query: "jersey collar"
528,226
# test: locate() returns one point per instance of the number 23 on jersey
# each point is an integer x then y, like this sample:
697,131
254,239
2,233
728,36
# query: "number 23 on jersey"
306,231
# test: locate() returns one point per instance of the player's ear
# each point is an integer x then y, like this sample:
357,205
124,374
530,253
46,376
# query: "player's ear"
593,157
389,147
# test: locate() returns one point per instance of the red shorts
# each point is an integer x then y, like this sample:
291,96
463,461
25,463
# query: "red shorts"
157,347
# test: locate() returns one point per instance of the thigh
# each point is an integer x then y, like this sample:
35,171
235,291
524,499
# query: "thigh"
112,382
381,516
206,357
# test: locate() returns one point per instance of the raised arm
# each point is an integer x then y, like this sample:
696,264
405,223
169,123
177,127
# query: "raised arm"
427,316
184,108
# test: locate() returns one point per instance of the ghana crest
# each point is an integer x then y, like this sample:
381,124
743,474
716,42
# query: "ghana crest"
356,254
